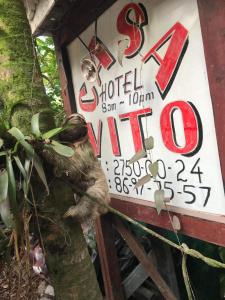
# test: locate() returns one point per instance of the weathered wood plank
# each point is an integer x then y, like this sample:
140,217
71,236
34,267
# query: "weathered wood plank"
139,252
81,15
165,264
135,279
212,22
108,259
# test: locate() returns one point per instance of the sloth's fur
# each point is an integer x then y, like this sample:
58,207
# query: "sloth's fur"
82,170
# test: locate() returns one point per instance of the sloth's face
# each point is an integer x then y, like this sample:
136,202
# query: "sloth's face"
77,131
75,119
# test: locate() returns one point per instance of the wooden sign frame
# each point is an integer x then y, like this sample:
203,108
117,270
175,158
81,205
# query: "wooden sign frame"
204,226
200,225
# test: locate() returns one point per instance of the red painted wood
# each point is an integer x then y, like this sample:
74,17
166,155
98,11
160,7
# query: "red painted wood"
212,19
206,230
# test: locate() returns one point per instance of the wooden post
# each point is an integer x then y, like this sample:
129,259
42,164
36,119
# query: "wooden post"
165,264
108,258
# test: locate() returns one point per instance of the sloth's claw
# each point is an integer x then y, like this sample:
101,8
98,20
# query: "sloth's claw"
71,212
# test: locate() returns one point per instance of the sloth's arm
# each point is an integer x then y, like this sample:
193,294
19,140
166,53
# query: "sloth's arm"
82,171
88,208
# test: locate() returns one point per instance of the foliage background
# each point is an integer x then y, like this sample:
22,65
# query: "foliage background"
48,64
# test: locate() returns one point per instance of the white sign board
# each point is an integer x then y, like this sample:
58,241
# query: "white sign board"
159,89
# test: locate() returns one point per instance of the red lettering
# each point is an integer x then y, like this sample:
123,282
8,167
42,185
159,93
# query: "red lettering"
96,143
88,105
132,28
169,65
105,57
191,124
114,136
136,126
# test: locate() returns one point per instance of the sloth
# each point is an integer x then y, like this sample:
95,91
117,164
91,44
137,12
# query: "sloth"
83,171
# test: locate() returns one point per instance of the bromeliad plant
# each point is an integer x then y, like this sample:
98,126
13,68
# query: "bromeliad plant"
19,159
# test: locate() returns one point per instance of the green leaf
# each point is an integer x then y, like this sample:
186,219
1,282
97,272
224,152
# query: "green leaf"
159,196
137,156
12,186
154,168
5,213
149,143
176,223
25,175
18,135
39,168
31,154
20,166
62,149
25,171
3,185
12,181
28,148
3,153
27,165
49,134
1,142
35,125
143,180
